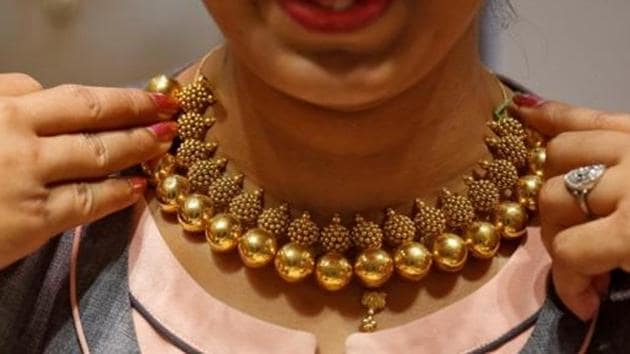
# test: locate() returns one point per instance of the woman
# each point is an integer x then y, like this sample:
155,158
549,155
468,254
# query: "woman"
336,107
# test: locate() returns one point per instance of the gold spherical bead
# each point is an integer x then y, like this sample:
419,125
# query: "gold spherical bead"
398,228
163,84
159,169
335,237
537,158
195,212
413,261
458,210
527,191
450,252
294,262
511,219
257,248
303,230
275,220
430,222
333,271
482,239
171,192
374,267
366,234
223,232
247,206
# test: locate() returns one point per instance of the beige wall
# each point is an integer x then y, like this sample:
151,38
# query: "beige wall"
575,50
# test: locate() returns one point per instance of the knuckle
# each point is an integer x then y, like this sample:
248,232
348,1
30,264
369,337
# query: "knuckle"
88,99
95,145
561,248
26,81
84,199
600,120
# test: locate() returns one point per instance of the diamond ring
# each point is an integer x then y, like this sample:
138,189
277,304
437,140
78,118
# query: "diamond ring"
580,181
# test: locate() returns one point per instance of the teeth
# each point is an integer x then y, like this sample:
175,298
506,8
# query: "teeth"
336,5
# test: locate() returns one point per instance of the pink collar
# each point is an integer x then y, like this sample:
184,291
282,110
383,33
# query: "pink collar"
168,292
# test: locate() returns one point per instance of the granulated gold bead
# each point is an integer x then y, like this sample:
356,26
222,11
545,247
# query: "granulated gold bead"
195,212
294,262
196,96
275,220
171,192
223,232
203,172
482,239
398,228
247,206
511,219
509,148
508,126
450,252
159,169
527,191
333,271
482,193
303,231
163,84
224,188
374,267
257,248
191,151
193,125
458,210
430,222
536,158
335,237
500,172
366,234
413,261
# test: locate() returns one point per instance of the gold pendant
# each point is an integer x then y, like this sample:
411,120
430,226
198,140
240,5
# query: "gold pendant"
374,302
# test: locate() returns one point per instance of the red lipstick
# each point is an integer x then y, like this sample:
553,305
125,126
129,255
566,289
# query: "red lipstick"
318,15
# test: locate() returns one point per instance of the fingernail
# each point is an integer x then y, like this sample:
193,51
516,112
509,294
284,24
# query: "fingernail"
527,100
165,103
138,184
164,131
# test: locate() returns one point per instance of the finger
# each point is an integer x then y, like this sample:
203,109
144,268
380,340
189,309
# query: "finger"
76,204
17,84
580,294
594,247
602,200
81,156
75,108
573,149
551,118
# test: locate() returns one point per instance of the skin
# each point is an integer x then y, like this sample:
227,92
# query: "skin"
344,137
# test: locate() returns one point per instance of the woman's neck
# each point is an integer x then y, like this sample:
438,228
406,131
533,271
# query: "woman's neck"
329,161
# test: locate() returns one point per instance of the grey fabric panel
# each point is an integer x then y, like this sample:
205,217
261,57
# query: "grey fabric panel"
102,290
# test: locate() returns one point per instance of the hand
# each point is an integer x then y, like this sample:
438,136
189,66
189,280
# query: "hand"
57,149
583,251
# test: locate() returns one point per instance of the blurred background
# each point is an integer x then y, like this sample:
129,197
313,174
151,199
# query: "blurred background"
572,50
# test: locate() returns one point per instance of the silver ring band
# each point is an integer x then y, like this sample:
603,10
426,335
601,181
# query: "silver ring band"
581,181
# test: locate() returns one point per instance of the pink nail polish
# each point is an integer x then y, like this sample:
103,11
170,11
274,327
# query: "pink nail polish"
138,184
165,103
164,131
528,100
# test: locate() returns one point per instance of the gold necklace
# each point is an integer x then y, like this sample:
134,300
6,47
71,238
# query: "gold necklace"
498,204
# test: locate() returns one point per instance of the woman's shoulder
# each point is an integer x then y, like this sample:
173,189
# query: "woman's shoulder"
35,304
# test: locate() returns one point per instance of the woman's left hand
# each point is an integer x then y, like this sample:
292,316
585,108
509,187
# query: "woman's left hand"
583,250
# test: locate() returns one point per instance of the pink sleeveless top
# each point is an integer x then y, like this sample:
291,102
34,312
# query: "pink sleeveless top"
173,298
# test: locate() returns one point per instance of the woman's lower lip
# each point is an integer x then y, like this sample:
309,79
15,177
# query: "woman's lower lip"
317,18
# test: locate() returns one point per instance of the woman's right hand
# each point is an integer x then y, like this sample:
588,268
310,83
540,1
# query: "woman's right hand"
57,148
